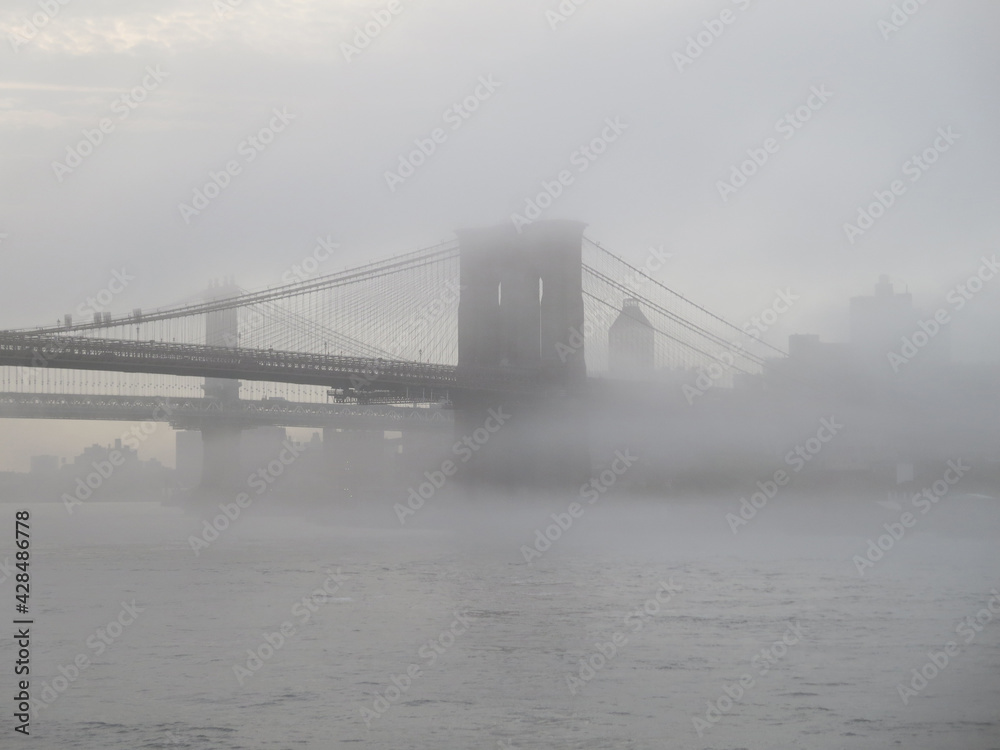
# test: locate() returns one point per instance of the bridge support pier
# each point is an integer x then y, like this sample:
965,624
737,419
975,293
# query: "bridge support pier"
221,468
521,307
355,461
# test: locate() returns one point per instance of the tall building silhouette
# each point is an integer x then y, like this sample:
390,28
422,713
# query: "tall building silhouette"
631,343
880,323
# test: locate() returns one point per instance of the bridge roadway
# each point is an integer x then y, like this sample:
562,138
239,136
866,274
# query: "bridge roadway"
410,381
193,413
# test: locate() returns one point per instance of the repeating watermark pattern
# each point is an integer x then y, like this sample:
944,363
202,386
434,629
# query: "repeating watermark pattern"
302,611
309,266
103,470
756,327
454,116
591,492
968,628
705,38
796,459
249,148
787,126
605,652
915,167
123,106
463,449
100,641
562,12
762,662
899,17
958,297
363,35
32,27
581,158
260,481
428,653
923,501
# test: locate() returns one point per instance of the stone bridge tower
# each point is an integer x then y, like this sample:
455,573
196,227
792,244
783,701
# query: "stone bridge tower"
521,307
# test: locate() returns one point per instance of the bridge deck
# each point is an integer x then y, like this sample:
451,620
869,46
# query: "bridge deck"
191,413
418,381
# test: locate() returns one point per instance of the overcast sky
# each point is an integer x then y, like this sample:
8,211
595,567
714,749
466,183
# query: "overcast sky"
554,81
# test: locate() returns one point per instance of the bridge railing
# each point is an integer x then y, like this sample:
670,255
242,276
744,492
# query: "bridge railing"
21,349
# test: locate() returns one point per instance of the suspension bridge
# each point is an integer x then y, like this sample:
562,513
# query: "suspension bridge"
523,321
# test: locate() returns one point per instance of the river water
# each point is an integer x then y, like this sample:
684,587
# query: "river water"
439,634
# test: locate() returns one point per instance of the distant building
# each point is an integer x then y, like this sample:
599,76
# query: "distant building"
188,453
107,473
260,446
882,322
631,343
44,464
98,453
